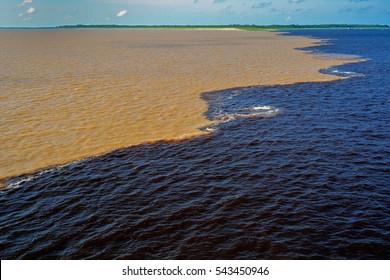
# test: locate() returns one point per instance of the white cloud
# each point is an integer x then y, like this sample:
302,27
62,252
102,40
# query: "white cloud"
121,13
21,14
31,10
25,2
287,18
261,5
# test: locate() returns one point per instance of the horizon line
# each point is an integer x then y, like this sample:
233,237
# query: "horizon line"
81,25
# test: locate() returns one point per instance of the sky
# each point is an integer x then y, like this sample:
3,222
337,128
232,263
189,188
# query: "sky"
33,13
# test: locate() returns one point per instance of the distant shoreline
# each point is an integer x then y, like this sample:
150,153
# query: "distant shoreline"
217,27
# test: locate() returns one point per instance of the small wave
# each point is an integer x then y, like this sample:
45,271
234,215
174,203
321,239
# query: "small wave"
235,93
17,182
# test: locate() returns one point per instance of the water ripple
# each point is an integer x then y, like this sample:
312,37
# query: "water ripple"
310,182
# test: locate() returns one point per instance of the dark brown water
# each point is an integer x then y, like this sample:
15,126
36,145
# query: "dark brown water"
299,171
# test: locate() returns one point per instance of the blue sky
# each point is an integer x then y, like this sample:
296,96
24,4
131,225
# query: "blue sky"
31,13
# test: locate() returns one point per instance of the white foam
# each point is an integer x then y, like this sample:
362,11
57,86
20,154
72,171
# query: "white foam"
260,108
223,118
252,112
17,184
210,129
348,73
24,179
266,113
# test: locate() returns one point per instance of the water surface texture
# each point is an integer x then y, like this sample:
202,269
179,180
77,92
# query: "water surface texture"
295,171
70,94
